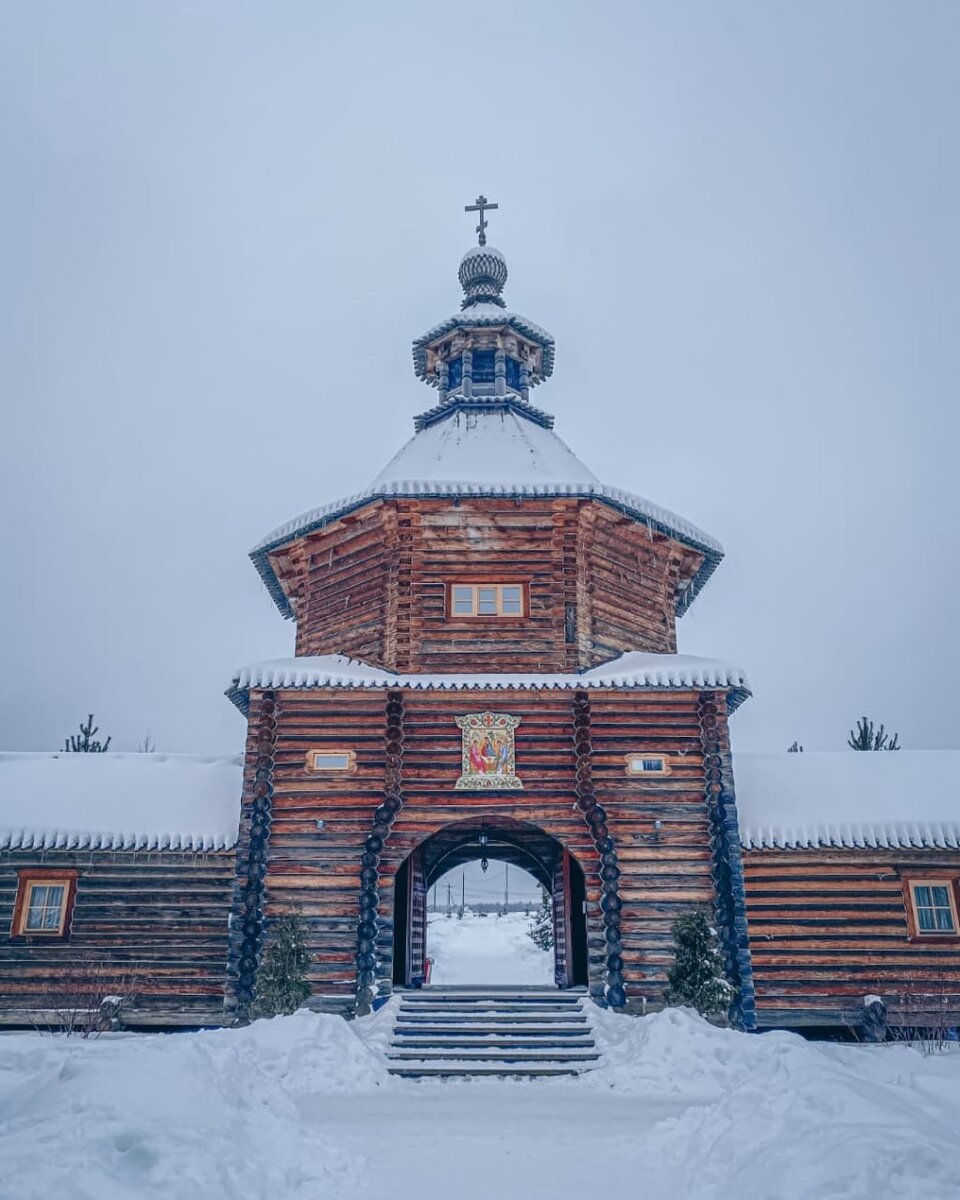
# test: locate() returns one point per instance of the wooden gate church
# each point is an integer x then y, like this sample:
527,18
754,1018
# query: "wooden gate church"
486,666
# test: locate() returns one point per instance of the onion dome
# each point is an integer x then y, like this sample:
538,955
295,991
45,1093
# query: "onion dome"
483,273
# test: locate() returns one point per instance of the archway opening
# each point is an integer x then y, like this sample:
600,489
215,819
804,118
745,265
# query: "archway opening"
489,927
506,845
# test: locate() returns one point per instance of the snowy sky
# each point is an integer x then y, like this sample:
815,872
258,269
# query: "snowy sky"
223,224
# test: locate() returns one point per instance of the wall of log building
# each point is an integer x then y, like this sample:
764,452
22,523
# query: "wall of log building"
828,927
373,585
148,924
317,872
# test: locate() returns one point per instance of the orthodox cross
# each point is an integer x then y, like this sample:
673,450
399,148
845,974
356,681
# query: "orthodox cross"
480,205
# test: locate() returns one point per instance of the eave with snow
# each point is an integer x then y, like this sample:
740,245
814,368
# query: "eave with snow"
630,672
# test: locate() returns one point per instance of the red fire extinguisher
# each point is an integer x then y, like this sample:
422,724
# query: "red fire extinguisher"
427,968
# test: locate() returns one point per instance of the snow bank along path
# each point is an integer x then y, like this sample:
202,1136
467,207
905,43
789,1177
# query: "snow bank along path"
301,1107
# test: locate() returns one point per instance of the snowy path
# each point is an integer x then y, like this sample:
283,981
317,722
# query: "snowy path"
486,950
512,1141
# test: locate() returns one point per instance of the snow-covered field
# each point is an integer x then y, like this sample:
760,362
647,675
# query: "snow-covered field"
301,1108
486,950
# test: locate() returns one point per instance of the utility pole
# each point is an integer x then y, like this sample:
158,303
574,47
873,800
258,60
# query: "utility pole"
463,891
449,900
506,888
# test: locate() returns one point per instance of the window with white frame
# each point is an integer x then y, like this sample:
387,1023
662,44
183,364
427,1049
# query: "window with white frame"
934,907
334,762
486,600
647,764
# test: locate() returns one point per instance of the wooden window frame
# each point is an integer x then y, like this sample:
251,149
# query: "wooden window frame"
475,585
628,760
349,769
952,885
27,879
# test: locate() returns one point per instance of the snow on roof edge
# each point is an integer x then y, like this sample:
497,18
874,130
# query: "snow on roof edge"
848,800
128,801
632,671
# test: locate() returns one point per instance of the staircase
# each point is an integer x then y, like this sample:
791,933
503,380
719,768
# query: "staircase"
454,1032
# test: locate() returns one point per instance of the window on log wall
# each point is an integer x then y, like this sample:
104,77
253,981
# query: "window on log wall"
487,600
44,903
933,907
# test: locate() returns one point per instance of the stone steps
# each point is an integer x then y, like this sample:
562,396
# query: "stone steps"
463,1032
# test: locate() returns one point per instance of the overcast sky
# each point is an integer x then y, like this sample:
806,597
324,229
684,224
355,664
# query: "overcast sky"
223,224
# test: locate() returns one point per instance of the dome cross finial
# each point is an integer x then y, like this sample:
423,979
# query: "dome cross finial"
481,205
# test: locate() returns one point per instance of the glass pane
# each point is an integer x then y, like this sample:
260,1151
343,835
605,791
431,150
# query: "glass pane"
463,600
940,897
331,762
484,366
945,919
43,912
510,600
487,601
923,897
925,919
652,764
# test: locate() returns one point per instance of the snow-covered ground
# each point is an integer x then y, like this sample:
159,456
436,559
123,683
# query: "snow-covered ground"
301,1107
487,949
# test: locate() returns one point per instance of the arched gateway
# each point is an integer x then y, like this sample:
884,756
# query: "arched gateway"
486,639
499,839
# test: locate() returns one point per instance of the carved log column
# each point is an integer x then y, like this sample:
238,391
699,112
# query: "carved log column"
727,865
246,918
609,987
375,935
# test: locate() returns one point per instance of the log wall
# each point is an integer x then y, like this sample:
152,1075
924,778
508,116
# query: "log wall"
151,922
374,585
828,927
318,872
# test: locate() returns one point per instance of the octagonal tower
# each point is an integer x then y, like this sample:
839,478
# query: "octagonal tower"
485,494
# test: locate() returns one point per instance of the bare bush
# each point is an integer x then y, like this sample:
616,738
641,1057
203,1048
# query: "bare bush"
926,1014
88,998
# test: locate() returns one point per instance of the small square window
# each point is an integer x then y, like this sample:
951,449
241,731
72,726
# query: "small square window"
43,905
934,907
647,764
323,762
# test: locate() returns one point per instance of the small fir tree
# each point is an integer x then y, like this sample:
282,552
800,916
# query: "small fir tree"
865,738
796,748
86,743
541,927
282,984
696,978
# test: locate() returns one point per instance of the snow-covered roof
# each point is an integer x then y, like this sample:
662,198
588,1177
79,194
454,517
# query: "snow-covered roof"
483,448
909,798
644,672
489,453
118,801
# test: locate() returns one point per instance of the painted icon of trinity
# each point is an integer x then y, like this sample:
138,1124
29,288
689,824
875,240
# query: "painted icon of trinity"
488,753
